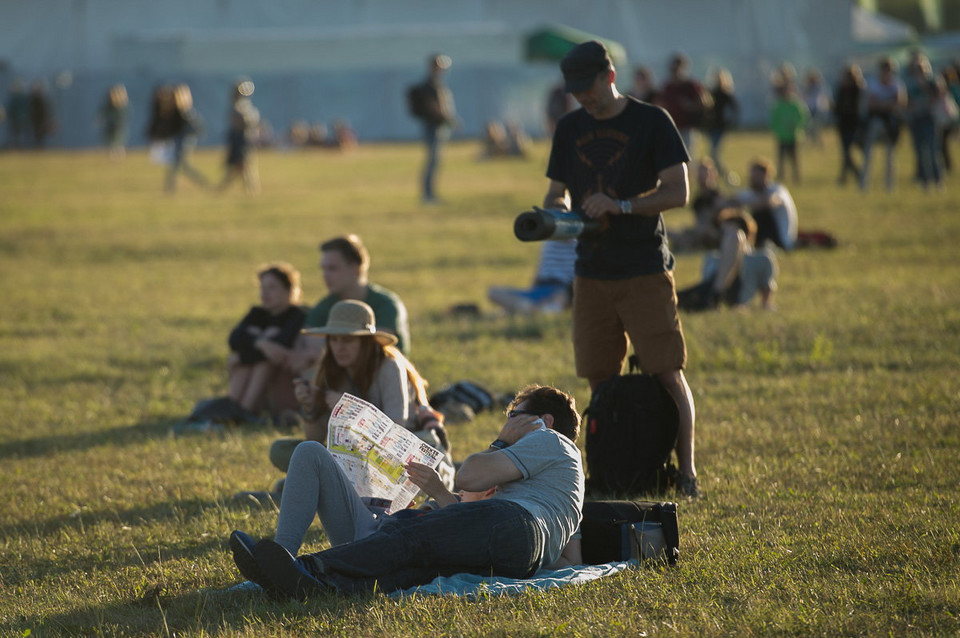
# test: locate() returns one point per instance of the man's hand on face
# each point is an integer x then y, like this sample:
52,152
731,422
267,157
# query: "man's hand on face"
518,426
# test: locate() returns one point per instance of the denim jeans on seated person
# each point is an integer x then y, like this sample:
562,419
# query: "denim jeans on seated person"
492,537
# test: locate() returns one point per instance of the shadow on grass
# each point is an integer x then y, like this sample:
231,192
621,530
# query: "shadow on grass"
517,327
54,443
172,515
152,611
117,436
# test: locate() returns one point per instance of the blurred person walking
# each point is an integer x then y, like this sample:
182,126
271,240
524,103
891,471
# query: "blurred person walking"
685,99
921,92
886,98
432,103
242,130
788,118
18,114
175,122
113,121
816,96
42,123
723,115
848,103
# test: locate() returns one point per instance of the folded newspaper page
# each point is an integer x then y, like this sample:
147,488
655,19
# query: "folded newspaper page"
372,450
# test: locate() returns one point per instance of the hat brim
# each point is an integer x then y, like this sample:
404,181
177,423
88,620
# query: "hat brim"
579,83
383,338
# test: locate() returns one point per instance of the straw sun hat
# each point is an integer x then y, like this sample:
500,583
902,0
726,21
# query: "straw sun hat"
351,317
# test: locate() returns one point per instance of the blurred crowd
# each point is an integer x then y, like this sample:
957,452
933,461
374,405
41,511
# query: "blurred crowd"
868,107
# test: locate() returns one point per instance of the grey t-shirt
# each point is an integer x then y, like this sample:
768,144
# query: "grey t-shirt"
551,489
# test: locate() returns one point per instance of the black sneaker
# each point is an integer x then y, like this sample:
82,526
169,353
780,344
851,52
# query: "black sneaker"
242,545
288,575
689,486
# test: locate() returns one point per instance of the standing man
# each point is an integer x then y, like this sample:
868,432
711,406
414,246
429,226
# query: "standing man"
432,103
685,99
623,161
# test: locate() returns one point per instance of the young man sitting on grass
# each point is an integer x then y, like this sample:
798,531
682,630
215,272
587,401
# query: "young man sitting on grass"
525,525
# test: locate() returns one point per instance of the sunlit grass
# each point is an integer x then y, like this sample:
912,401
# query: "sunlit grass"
827,431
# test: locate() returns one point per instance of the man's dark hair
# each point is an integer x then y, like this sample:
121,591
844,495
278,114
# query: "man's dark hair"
548,400
350,247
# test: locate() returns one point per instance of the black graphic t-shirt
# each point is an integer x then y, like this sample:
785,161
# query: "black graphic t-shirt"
621,157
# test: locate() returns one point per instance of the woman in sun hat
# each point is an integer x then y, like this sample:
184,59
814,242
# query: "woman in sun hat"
361,360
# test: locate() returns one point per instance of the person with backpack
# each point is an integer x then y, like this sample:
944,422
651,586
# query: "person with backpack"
623,161
431,102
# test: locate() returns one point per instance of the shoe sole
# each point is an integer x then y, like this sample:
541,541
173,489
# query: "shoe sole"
247,563
280,568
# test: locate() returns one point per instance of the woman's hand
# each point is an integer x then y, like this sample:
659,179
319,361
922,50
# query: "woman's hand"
305,392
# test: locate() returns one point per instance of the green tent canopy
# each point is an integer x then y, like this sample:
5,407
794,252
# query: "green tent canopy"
551,43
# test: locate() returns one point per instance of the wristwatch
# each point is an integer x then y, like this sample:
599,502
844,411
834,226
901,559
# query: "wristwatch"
499,444
626,207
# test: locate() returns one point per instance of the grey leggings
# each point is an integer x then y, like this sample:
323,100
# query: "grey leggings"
316,485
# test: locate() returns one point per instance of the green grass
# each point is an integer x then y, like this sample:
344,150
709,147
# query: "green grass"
827,432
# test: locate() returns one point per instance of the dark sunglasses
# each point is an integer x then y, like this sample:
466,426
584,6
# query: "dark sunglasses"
513,413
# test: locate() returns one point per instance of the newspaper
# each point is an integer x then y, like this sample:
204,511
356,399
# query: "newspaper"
372,450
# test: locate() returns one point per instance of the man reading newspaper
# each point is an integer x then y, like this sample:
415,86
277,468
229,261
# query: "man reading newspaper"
526,524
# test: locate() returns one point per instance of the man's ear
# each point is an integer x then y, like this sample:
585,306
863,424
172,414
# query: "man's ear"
548,420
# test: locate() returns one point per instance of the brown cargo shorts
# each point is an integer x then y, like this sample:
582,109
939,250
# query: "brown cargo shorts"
607,312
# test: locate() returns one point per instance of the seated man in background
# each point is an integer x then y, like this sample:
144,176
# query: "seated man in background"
524,526
771,206
552,288
734,274
345,263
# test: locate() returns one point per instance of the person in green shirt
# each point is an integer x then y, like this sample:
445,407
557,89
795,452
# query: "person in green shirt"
345,263
788,117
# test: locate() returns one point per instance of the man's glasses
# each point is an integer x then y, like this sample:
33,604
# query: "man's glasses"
513,413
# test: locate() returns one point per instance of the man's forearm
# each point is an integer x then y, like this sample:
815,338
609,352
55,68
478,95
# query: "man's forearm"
662,198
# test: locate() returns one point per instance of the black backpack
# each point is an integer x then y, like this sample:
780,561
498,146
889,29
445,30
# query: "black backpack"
624,530
417,101
632,424
463,400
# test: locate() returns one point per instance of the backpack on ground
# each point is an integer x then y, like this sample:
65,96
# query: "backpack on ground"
624,530
463,400
632,424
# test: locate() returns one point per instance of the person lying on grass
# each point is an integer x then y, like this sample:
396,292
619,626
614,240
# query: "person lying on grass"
525,524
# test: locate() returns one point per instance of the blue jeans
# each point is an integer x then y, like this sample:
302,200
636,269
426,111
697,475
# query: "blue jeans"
433,137
925,148
495,537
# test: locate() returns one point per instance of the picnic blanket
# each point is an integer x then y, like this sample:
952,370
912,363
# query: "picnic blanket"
472,587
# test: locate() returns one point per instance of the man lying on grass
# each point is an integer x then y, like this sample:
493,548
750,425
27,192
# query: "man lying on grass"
525,525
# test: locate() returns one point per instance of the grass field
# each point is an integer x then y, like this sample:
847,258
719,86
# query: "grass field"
827,432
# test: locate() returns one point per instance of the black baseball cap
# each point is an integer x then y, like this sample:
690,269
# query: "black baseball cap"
583,64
